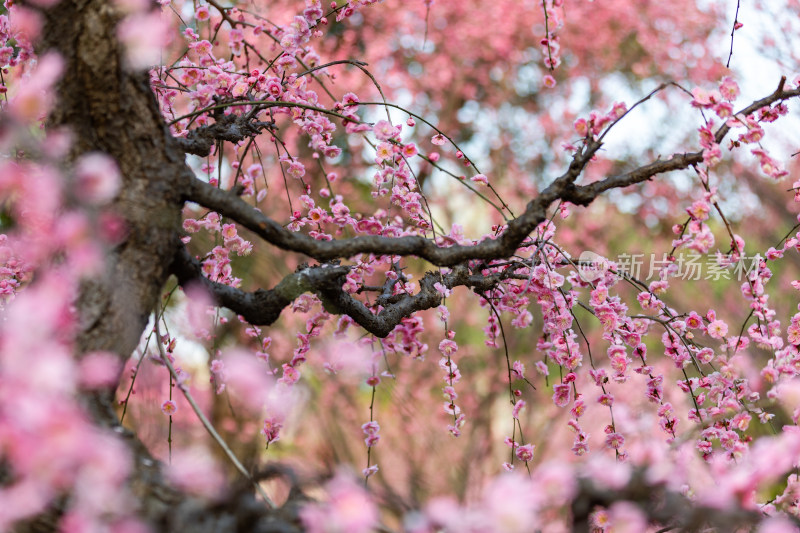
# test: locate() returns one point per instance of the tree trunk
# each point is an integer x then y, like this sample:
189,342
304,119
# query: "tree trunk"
109,109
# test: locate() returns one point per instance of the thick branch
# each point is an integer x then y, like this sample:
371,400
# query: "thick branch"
232,207
584,195
231,128
263,307
563,188
778,96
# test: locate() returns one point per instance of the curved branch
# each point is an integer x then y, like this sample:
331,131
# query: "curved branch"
262,104
584,195
231,206
263,307
562,188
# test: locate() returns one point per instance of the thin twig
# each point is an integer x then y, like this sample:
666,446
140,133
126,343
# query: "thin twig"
207,424
733,30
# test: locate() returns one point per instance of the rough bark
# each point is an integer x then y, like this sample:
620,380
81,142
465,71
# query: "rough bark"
112,110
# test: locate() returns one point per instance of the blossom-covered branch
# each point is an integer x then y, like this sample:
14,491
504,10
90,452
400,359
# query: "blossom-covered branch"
263,307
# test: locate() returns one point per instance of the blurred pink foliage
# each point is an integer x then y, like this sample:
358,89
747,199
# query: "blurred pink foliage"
629,379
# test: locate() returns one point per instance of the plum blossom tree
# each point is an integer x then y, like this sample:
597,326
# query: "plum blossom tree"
235,234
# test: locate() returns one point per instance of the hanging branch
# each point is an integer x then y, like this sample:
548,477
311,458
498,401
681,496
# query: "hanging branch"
207,424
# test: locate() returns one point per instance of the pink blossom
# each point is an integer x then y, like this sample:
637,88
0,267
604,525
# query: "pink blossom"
384,130
542,368
600,520
606,399
370,471
201,47
274,87
371,430
753,135
769,166
99,369
723,109
518,407
525,452
98,178
706,355
191,225
772,254
196,471
448,347
290,375
202,13
729,89
699,210
581,127
348,508
704,98
618,110
580,446
271,429
216,366
34,96
741,421
441,289
615,441
561,395
296,169
409,150
145,36
169,407
717,329
480,178
518,370
384,152
712,156
694,320
240,89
